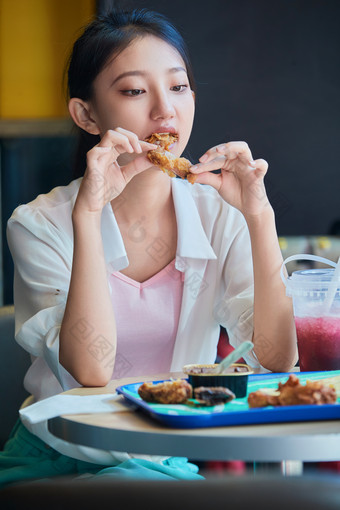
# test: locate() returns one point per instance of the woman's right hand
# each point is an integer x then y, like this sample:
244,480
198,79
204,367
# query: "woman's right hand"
104,178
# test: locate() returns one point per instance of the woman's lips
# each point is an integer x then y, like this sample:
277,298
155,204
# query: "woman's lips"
163,139
164,130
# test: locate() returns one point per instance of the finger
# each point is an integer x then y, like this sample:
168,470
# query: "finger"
138,165
214,180
233,150
261,167
146,146
132,137
209,154
116,140
215,164
139,146
230,150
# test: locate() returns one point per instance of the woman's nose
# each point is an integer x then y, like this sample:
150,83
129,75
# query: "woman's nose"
162,108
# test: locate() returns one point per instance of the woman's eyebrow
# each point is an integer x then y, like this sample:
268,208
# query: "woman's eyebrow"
172,70
129,73
177,69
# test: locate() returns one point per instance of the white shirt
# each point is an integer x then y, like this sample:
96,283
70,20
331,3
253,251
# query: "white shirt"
213,252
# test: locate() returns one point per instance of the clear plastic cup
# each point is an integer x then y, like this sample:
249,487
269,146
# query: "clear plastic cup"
316,304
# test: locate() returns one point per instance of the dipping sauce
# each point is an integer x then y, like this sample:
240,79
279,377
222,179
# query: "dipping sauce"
207,369
235,378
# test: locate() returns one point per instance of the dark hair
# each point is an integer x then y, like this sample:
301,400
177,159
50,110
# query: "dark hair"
106,36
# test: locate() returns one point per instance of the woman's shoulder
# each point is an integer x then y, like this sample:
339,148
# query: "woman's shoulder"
47,216
61,197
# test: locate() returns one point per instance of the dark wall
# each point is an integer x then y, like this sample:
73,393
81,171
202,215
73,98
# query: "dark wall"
29,166
268,72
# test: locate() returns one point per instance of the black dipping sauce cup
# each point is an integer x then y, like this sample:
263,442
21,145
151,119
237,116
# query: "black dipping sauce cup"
236,379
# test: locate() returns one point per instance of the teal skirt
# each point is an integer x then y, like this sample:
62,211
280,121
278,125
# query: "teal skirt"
26,457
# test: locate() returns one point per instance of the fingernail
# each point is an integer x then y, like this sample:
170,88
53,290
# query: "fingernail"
204,158
193,168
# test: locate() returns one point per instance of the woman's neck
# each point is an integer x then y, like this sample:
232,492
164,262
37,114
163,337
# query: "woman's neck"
147,194
146,217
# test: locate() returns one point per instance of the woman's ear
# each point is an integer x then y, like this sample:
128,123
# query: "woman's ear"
81,115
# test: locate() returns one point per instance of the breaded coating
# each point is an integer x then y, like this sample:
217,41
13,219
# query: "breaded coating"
292,393
168,392
261,399
164,159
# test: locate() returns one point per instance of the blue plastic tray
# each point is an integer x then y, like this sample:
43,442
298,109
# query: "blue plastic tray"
237,411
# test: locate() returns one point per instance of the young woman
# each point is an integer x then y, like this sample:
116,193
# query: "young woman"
125,271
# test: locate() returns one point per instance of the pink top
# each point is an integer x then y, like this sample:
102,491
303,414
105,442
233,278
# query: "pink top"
147,316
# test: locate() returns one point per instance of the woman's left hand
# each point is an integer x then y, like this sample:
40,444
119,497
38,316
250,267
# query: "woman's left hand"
240,182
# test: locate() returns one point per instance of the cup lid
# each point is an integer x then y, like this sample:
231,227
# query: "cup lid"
315,275
312,280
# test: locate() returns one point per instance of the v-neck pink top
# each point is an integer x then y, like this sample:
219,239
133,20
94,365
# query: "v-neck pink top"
147,316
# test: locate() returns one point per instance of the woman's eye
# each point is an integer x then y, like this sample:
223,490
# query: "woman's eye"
179,88
133,92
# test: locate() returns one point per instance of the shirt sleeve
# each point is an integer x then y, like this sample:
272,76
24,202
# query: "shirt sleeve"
42,254
235,307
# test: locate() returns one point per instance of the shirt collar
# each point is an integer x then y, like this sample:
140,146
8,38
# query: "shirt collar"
192,241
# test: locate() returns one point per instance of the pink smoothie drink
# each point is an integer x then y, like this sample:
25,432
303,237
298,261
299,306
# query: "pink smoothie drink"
318,343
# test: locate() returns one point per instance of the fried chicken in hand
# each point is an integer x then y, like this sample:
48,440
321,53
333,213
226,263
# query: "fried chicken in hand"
163,158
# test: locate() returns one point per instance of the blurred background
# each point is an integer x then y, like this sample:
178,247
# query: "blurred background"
267,72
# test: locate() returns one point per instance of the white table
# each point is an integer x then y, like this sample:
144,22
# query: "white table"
136,432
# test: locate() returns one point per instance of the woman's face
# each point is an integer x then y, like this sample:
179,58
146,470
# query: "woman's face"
145,89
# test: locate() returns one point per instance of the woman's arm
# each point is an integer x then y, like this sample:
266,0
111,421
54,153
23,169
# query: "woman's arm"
241,184
274,328
88,329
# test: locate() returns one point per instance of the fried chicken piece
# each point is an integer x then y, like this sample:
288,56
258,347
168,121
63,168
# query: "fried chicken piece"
313,392
261,399
163,158
168,392
292,393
